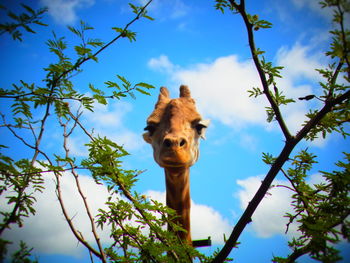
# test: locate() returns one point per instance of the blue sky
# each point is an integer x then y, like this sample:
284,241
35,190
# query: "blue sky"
188,43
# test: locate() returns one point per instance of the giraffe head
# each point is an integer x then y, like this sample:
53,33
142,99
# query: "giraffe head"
174,129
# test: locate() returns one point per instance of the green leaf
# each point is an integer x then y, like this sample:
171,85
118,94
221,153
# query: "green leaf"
145,85
28,8
111,84
95,42
143,91
118,29
75,31
100,99
13,16
255,92
39,23
94,90
126,83
148,17
84,26
268,158
134,8
82,51
28,29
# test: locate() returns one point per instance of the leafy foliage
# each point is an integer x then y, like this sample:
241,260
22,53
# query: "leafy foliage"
321,211
137,223
23,20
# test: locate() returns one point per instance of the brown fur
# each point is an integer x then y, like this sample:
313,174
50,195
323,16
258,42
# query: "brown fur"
173,130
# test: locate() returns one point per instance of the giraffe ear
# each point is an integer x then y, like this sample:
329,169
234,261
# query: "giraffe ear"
185,92
146,136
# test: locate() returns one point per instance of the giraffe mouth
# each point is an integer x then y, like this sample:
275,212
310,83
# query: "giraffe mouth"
174,159
173,164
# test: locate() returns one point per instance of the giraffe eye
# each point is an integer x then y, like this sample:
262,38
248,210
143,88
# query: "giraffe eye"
199,128
150,128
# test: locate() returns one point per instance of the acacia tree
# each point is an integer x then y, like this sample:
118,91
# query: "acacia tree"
321,211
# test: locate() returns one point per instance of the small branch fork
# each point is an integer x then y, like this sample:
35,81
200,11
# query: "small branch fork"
290,143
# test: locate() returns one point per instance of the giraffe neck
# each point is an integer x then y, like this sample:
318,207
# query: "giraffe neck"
178,197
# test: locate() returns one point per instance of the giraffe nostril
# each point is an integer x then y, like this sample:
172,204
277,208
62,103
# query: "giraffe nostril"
167,143
182,142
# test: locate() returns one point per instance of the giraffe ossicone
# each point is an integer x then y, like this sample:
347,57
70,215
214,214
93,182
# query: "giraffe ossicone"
174,129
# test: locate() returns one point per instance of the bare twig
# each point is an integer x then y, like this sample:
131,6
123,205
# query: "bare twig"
76,176
69,220
83,197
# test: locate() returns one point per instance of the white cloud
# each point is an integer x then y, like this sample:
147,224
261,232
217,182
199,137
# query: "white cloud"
47,231
108,115
162,63
64,11
107,120
268,219
314,6
179,9
205,220
299,63
220,87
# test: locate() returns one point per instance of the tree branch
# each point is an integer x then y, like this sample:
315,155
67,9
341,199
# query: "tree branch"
77,182
241,9
69,220
344,38
275,168
291,141
129,196
121,35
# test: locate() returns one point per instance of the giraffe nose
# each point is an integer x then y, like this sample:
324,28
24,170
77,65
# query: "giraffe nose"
169,142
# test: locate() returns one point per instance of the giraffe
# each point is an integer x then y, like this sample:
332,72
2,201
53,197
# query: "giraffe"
174,129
